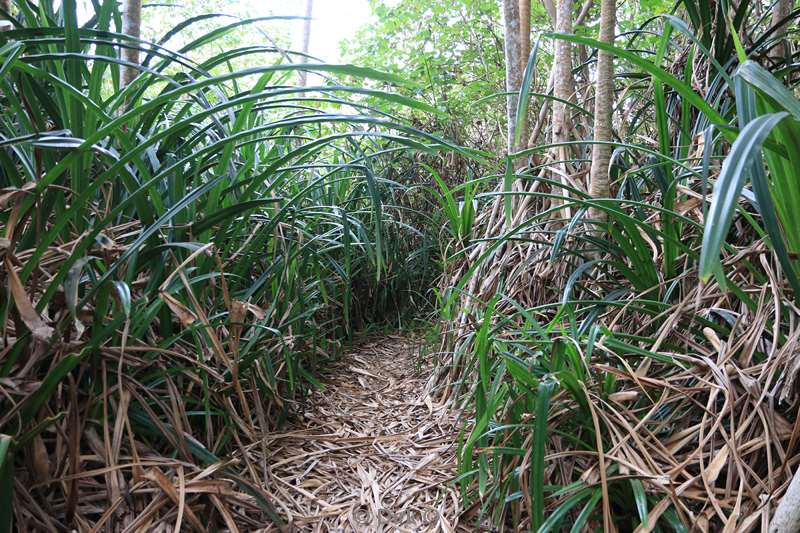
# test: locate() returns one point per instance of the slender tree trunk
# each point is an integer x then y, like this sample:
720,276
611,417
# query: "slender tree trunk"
524,52
511,21
524,33
781,10
599,186
543,111
562,72
306,39
131,26
562,88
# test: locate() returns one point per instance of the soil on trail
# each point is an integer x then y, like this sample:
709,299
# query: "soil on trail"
372,451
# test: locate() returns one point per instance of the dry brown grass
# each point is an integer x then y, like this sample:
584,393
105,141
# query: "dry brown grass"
371,451
708,424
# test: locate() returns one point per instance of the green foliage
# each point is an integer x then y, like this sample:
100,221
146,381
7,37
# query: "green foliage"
269,31
450,52
184,253
191,247
544,378
770,117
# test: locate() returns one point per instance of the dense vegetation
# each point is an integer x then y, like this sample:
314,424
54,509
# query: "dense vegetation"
182,253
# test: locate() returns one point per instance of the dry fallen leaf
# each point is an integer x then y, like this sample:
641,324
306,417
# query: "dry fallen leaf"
27,312
184,314
624,396
40,459
429,403
713,338
720,460
10,193
687,205
259,313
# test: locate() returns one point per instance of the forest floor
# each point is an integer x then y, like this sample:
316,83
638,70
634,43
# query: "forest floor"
372,451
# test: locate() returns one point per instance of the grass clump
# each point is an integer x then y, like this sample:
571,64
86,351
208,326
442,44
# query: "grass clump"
614,374
180,256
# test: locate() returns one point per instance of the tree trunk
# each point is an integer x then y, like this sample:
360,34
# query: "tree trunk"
787,516
562,71
524,33
131,26
783,49
511,21
306,40
550,7
540,121
562,89
599,186
524,52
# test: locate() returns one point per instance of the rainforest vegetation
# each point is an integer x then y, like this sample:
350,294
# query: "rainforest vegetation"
573,226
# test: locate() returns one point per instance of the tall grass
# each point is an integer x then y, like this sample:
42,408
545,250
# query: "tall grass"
586,358
180,255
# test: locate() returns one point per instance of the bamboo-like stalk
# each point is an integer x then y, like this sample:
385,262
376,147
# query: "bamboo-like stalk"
603,108
781,9
563,88
511,21
131,26
306,39
524,52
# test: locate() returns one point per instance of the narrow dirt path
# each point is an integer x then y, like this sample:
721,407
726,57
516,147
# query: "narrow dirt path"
371,452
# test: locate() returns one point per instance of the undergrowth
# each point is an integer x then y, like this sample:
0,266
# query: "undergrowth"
180,256
616,373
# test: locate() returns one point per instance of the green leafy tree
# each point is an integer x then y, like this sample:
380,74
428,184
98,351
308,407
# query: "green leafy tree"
202,17
452,52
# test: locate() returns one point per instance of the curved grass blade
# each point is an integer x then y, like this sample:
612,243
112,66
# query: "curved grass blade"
745,152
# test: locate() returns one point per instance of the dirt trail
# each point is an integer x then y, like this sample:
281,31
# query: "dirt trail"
372,452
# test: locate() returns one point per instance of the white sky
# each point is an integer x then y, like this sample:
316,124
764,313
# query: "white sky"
332,21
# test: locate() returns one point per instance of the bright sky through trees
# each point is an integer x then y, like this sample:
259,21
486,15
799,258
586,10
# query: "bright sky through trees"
333,21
